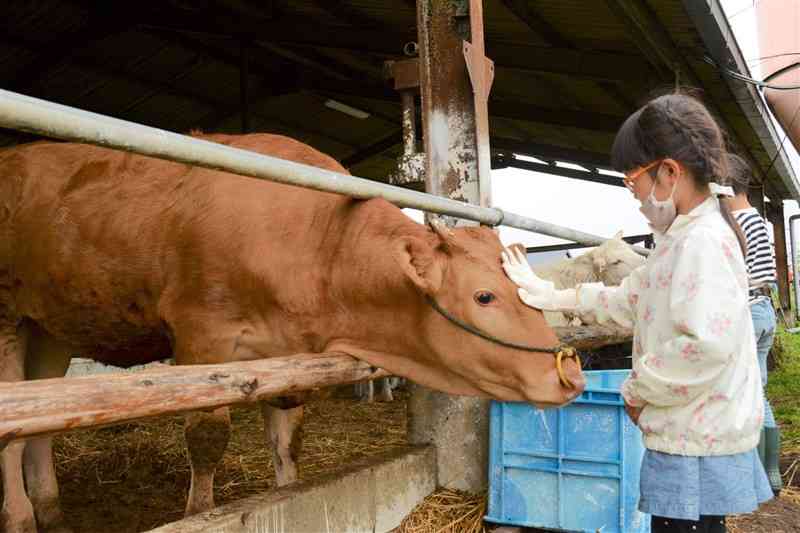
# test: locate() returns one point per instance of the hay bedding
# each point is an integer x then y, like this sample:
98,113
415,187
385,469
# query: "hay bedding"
134,477
448,511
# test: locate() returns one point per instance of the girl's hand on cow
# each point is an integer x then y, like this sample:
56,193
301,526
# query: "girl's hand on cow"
520,272
534,291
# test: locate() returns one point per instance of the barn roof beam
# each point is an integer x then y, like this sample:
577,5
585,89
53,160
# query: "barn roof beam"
552,152
558,117
60,51
222,109
347,13
305,32
505,108
528,14
585,175
649,35
307,60
376,148
251,9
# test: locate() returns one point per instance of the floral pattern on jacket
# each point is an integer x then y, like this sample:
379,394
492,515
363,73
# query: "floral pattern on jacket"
694,363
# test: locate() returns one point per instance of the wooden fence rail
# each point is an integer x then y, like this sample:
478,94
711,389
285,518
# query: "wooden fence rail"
47,406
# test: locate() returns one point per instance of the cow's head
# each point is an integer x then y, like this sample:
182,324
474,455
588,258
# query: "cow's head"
614,260
460,270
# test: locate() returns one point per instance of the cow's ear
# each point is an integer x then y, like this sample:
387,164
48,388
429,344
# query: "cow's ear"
420,263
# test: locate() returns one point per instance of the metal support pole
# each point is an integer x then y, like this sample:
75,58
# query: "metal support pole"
62,122
457,426
409,123
448,108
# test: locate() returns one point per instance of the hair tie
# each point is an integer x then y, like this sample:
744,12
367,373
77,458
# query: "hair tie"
720,190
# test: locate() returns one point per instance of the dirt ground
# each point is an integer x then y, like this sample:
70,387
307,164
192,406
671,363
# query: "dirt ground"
777,516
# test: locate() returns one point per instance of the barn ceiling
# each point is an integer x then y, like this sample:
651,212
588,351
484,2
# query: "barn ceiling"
567,71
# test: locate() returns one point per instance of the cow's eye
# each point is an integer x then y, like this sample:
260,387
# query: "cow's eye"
484,297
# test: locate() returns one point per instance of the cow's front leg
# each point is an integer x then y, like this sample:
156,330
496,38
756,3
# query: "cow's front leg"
46,358
16,515
207,435
283,426
385,390
365,390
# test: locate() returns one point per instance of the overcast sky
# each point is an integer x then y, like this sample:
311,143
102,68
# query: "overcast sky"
596,208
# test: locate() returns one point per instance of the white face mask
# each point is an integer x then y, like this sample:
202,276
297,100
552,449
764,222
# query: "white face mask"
660,213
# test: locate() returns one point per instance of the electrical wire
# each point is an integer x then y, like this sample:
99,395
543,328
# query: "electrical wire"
764,58
753,81
785,135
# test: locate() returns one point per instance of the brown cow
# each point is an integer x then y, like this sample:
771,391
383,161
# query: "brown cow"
128,259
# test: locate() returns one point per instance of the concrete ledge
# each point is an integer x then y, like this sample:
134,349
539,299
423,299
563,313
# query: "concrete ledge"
370,496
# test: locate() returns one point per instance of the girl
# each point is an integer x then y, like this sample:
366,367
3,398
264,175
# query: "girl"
695,389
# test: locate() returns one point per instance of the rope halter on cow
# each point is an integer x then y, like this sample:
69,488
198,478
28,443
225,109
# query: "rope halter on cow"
560,352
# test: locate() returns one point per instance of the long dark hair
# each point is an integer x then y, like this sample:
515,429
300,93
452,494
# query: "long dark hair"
739,172
676,126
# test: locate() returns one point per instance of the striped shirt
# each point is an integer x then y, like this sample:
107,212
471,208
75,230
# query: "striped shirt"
760,258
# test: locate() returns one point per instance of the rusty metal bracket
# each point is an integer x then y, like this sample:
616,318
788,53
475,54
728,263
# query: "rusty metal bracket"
410,169
404,72
481,75
481,71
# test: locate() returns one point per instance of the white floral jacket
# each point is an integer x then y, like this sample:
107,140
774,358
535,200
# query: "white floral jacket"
694,353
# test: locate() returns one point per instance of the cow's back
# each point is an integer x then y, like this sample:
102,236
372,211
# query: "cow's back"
94,241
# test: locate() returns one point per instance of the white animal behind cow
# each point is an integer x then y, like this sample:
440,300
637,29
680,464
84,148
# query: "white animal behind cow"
610,263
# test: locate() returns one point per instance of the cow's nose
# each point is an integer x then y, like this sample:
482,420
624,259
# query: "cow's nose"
573,373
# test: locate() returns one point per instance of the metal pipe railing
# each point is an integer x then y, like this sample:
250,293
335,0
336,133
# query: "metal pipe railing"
45,118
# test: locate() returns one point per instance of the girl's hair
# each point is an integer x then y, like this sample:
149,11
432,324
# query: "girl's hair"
676,126
739,173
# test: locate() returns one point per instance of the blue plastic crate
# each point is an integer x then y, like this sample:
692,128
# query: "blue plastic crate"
570,469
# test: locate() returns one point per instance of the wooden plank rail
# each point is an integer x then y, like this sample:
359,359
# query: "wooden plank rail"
594,336
47,406
51,406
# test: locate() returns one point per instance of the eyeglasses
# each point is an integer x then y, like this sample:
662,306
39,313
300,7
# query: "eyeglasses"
629,179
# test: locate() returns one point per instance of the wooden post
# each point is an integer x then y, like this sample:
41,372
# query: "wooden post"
775,215
755,195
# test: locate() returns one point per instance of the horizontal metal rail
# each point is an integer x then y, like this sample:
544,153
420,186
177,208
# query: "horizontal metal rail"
45,118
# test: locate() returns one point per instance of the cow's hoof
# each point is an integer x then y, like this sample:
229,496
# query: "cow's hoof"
26,526
18,519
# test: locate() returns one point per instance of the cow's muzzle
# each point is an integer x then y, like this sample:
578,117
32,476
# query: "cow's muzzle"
560,352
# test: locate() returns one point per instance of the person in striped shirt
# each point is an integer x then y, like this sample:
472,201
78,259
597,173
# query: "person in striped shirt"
760,262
